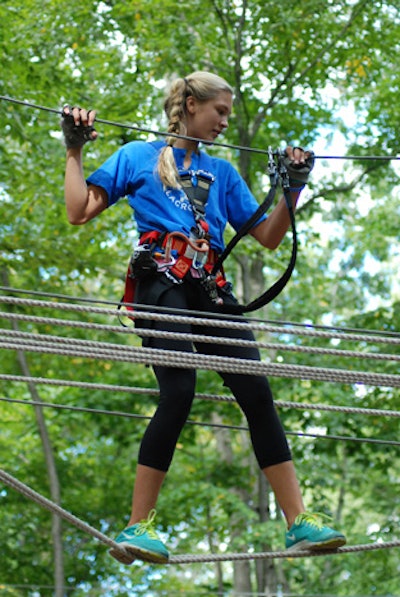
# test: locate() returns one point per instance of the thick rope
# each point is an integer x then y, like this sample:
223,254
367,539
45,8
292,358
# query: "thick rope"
221,321
149,333
56,509
284,325
217,397
305,326
181,359
286,554
183,559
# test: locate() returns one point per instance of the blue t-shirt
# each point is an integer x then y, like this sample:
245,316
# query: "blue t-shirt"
131,172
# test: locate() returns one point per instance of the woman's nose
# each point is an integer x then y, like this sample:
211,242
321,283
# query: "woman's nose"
224,122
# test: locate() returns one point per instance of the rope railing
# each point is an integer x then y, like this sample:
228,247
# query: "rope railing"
214,320
86,348
150,333
185,360
216,397
283,325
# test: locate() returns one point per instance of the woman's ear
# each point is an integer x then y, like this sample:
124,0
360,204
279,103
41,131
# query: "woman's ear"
191,104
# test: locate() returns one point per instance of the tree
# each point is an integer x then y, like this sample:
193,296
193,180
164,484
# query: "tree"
295,69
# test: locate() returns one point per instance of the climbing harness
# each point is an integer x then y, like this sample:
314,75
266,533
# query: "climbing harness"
174,254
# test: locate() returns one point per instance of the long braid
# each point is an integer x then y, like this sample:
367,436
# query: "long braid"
175,109
201,85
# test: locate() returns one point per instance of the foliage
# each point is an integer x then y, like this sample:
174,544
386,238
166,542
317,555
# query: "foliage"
308,73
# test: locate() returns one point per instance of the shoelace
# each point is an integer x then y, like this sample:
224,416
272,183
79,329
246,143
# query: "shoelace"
147,526
312,518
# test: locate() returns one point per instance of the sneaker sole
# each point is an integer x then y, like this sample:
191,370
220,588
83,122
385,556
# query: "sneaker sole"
137,553
334,543
121,557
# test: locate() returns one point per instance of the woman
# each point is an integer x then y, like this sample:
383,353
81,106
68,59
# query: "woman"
182,200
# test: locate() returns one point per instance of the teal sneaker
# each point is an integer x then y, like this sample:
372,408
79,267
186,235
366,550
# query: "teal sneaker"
141,542
308,532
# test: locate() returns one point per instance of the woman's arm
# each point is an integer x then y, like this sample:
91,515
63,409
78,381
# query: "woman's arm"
271,231
82,202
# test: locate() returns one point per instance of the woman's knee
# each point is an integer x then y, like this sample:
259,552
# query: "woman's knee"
177,386
248,387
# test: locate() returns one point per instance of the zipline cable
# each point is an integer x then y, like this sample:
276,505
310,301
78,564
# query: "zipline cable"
214,143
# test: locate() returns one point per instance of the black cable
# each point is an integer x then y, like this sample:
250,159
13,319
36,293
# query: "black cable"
197,423
213,143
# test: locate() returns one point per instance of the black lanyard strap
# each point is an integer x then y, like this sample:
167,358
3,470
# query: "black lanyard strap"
276,171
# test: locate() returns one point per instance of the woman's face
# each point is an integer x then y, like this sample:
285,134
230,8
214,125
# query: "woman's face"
206,120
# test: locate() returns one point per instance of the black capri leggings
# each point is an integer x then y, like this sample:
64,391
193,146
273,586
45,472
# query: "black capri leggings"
177,386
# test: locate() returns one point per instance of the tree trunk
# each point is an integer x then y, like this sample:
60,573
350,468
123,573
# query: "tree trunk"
241,570
56,527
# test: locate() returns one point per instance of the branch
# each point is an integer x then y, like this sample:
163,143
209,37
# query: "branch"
284,83
343,188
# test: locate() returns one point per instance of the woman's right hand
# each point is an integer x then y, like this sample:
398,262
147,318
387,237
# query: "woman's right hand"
83,202
77,126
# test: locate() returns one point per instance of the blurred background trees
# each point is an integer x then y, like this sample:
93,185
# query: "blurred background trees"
317,73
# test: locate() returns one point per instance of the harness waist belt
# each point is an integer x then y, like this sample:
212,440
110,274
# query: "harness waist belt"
179,253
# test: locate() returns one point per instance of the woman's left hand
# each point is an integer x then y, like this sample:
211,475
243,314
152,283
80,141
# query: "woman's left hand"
299,163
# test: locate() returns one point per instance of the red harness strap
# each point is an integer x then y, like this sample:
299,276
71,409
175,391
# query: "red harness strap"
181,246
149,238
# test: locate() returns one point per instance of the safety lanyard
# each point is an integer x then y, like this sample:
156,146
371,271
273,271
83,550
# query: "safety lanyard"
277,171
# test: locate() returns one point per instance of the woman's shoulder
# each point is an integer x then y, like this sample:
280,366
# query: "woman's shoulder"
220,165
141,146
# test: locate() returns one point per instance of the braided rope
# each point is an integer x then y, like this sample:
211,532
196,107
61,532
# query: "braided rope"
182,559
269,555
219,320
96,301
216,397
185,360
56,509
149,333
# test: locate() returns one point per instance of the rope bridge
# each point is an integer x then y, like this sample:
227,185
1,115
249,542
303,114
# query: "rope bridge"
66,346
183,559
13,339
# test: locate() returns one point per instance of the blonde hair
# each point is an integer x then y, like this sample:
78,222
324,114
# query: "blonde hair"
203,86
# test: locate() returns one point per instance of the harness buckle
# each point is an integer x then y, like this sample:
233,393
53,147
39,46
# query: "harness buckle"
142,263
209,283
